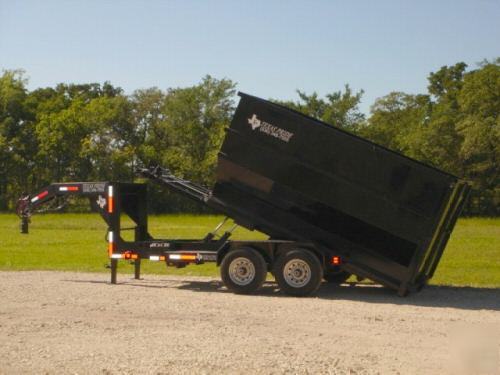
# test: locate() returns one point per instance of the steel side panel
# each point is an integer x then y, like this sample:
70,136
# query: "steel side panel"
277,168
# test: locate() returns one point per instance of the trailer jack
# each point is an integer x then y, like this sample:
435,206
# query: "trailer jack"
23,211
26,204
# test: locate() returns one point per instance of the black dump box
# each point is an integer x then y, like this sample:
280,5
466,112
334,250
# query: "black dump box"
294,177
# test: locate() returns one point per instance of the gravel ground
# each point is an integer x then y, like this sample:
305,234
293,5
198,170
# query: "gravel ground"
64,322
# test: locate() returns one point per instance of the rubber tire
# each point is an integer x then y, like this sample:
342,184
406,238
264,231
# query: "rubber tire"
316,272
336,277
260,270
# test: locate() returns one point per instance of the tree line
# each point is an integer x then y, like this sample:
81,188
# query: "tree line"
95,132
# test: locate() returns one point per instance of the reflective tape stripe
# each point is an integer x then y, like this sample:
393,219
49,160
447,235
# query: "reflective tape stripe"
182,257
111,245
110,199
154,258
40,196
68,188
116,256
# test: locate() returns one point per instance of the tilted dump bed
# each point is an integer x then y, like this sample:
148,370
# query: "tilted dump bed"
294,177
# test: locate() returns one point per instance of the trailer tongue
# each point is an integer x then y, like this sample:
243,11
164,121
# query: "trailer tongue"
333,204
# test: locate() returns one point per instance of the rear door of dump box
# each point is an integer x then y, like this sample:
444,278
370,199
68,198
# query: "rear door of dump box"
294,177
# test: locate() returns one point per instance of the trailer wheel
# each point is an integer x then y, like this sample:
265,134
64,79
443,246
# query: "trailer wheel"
298,272
243,270
336,277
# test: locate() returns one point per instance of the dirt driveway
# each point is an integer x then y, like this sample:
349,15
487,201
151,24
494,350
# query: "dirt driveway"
62,322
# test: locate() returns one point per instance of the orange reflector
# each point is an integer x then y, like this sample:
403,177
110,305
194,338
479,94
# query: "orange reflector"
111,245
182,257
110,205
156,258
111,248
336,260
129,255
110,199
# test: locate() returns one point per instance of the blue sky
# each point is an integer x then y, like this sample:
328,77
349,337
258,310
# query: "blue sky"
270,48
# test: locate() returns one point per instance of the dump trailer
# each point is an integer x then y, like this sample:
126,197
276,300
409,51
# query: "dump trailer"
333,205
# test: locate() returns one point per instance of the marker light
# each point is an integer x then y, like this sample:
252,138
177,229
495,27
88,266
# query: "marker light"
336,260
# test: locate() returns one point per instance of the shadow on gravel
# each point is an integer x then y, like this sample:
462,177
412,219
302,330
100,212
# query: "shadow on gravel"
467,298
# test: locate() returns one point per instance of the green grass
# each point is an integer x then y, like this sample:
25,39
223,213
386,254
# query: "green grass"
472,256
76,242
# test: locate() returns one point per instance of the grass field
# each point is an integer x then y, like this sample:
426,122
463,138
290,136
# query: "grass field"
76,242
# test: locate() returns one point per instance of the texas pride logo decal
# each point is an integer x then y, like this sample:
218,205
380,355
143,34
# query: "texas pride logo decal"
269,129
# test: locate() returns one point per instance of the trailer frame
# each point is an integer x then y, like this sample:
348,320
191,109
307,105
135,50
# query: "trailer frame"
112,200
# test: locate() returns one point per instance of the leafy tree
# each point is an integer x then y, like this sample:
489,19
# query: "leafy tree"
397,121
479,128
15,133
148,115
338,108
107,150
189,134
442,141
87,140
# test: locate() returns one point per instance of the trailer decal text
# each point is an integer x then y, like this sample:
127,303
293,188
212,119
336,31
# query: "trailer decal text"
93,188
269,129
